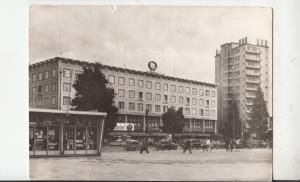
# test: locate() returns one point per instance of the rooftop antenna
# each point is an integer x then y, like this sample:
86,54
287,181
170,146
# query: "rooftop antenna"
174,66
59,42
124,55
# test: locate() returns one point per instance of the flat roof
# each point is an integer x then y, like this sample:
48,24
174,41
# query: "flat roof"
56,111
113,68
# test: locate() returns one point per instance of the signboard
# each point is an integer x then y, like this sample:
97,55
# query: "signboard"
124,127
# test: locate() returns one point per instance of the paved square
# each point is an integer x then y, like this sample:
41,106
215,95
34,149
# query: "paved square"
253,165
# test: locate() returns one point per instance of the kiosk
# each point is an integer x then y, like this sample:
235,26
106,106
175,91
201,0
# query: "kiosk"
65,133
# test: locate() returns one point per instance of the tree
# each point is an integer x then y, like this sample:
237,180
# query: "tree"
173,121
92,93
259,115
234,124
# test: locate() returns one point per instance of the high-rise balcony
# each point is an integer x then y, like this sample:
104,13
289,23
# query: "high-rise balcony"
248,65
249,103
252,72
251,88
252,80
253,51
252,57
250,95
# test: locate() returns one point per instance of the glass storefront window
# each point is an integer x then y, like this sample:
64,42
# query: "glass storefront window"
31,142
69,139
80,139
91,137
53,141
40,138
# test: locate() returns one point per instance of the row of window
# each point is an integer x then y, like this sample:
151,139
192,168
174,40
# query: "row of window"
160,86
50,87
43,75
157,97
157,108
39,102
199,124
67,73
46,88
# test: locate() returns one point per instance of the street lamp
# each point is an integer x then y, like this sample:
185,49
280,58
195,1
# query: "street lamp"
146,121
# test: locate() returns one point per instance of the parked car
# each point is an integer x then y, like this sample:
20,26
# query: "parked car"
132,145
217,144
259,144
118,142
196,144
166,145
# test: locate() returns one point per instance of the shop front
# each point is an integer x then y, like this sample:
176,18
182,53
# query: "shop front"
57,133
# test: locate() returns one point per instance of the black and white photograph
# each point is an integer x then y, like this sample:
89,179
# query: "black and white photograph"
150,93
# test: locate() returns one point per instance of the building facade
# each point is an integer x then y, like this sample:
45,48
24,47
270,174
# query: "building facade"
240,68
142,97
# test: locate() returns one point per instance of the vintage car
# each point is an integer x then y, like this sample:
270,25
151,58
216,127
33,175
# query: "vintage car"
165,145
258,144
132,145
195,143
119,142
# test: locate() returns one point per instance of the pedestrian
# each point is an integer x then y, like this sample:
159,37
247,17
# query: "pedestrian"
187,146
231,145
238,145
144,146
227,144
208,144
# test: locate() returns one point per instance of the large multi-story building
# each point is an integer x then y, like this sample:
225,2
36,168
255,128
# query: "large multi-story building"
142,97
240,68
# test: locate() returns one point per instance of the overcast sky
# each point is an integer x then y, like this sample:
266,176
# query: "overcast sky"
182,40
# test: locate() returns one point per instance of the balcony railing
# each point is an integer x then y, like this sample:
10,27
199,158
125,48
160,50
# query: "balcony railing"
249,103
251,88
252,51
253,58
252,66
252,73
250,96
253,81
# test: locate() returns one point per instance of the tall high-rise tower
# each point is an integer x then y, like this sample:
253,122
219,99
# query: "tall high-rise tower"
240,68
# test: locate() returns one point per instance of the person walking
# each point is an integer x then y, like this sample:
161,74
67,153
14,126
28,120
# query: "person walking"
227,144
144,146
187,146
208,144
238,145
231,144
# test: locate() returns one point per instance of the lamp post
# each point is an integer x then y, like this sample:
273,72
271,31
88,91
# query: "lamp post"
146,119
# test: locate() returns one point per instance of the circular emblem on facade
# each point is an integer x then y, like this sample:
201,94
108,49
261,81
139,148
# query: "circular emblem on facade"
152,65
129,127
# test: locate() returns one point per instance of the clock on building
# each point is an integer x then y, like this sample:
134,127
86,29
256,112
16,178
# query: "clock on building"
152,65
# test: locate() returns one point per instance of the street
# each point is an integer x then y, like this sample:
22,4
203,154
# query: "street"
250,165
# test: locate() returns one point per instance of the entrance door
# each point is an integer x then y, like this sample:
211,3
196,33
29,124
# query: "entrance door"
69,140
92,140
31,140
80,140
53,140
40,136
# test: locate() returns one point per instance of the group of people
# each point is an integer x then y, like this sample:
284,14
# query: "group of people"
230,144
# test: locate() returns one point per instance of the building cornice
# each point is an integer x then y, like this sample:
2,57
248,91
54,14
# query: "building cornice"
125,70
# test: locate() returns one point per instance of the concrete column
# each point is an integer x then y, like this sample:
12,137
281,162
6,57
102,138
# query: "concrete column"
144,123
61,146
215,127
190,120
160,121
101,135
126,119
203,126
